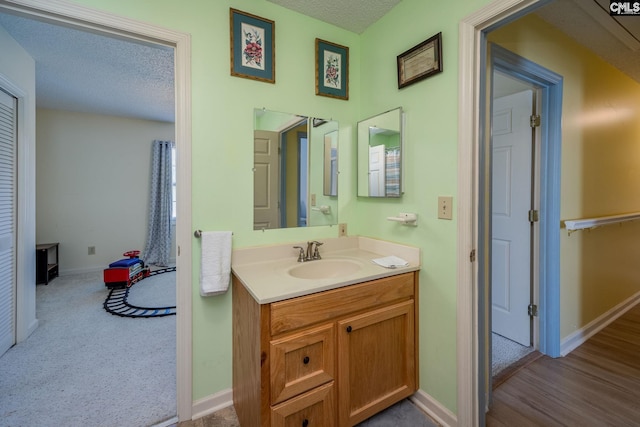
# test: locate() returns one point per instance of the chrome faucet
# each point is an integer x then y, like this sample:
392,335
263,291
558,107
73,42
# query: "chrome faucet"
312,253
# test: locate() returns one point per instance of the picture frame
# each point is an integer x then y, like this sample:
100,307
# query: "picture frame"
253,54
332,70
421,61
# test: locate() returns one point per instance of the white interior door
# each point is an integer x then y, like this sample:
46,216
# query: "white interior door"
7,221
265,180
511,229
376,171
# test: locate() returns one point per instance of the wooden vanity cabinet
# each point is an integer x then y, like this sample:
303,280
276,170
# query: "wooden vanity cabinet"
376,361
332,358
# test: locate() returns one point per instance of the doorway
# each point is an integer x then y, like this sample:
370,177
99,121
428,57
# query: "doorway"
538,238
106,24
514,232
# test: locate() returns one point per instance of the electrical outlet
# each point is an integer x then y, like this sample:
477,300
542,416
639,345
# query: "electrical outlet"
91,250
445,207
313,200
342,230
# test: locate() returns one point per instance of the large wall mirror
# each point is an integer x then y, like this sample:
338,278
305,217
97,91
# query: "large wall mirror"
295,170
380,156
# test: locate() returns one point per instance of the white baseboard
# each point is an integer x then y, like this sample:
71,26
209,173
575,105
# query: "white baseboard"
84,270
168,423
32,327
210,404
95,269
574,340
434,409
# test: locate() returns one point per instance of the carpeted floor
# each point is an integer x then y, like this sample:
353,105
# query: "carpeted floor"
85,367
505,353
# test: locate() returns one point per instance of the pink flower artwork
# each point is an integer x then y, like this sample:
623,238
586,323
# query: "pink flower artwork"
253,52
332,65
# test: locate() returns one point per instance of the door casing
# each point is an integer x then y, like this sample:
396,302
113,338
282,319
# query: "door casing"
63,13
471,284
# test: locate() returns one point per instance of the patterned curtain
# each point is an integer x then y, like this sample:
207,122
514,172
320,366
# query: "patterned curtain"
158,246
392,172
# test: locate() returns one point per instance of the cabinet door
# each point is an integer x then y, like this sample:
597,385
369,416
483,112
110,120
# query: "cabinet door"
376,361
312,409
301,362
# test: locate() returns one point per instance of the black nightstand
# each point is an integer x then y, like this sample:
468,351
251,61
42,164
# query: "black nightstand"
46,262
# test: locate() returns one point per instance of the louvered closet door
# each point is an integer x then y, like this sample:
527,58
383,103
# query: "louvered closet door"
7,221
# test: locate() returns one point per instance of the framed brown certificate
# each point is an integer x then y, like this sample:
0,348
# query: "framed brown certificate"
420,62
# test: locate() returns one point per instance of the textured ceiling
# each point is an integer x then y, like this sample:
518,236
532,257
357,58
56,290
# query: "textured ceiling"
81,71
352,15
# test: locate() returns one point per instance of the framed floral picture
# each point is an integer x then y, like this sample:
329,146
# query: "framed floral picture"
253,53
332,70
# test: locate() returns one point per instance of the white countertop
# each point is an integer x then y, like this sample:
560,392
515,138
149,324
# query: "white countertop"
264,269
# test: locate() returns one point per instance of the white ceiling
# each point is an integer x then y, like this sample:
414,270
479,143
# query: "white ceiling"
81,71
353,15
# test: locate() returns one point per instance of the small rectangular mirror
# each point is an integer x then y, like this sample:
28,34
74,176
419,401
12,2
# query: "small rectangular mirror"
295,170
380,157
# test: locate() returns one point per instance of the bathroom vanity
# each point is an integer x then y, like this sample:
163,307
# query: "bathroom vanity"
330,344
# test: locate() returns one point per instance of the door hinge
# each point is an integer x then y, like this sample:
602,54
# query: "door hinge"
533,215
532,310
534,120
472,256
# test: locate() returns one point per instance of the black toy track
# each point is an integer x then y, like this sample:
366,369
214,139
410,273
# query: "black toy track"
116,303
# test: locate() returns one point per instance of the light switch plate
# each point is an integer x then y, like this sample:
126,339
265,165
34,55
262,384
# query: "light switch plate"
445,207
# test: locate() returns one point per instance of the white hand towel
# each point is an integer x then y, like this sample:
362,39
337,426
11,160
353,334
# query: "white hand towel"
215,262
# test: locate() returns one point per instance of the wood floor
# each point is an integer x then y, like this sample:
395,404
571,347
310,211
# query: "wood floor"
597,384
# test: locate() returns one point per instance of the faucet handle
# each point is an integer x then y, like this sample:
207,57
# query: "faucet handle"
316,252
300,254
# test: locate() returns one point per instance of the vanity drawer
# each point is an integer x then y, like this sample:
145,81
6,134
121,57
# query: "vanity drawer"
313,409
303,311
302,361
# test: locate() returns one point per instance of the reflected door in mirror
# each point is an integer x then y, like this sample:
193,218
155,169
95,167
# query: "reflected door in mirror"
376,171
265,180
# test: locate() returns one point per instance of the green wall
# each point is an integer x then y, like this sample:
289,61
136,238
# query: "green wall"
222,152
431,155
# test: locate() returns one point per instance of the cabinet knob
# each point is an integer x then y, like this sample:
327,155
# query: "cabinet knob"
349,329
305,360
305,422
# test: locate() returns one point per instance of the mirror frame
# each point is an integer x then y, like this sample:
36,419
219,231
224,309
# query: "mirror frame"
379,121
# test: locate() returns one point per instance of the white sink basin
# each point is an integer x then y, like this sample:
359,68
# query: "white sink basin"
325,268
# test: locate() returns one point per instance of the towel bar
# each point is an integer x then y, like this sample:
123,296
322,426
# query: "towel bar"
198,233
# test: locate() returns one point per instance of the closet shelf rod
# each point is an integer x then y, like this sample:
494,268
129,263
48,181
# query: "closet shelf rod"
587,223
